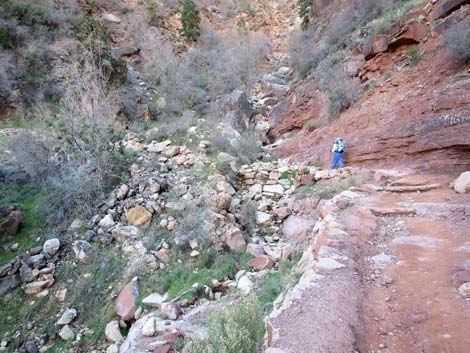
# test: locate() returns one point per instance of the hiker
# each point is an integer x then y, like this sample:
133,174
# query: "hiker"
338,148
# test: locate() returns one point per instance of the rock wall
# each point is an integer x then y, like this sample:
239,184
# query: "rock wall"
418,118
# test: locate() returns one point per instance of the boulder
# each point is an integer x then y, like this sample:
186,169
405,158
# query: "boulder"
171,310
82,250
9,283
354,64
245,285
121,193
51,246
31,347
268,79
282,212
111,18
38,286
464,290
254,249
171,151
235,241
149,328
275,189
380,43
225,187
262,262
223,201
114,348
126,301
445,7
107,222
124,51
12,222
237,109
462,183
123,233
112,332
157,147
66,333
162,255
67,317
139,216
155,300
263,218
413,32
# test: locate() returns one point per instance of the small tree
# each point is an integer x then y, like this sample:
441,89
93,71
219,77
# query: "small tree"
304,9
190,21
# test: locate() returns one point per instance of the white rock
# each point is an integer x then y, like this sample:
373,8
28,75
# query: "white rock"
462,183
111,18
112,332
326,264
245,285
155,300
148,329
51,246
66,333
123,233
158,147
275,189
107,222
114,348
256,189
122,192
263,218
67,317
76,224
464,290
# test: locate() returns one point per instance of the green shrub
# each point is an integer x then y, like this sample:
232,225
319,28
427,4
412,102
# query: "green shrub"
304,9
5,37
305,69
381,26
339,100
414,55
29,14
190,21
457,42
237,329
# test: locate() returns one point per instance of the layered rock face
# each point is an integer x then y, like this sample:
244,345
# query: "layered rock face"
416,117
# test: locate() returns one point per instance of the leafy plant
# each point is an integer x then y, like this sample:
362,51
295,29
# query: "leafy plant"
5,37
304,9
236,329
190,20
414,55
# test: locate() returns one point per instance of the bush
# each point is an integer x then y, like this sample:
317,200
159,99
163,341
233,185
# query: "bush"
5,37
237,329
190,21
304,9
457,42
414,55
248,214
28,13
74,153
191,225
217,66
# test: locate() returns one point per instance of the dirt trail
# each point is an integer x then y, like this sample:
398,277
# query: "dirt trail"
411,298
395,289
